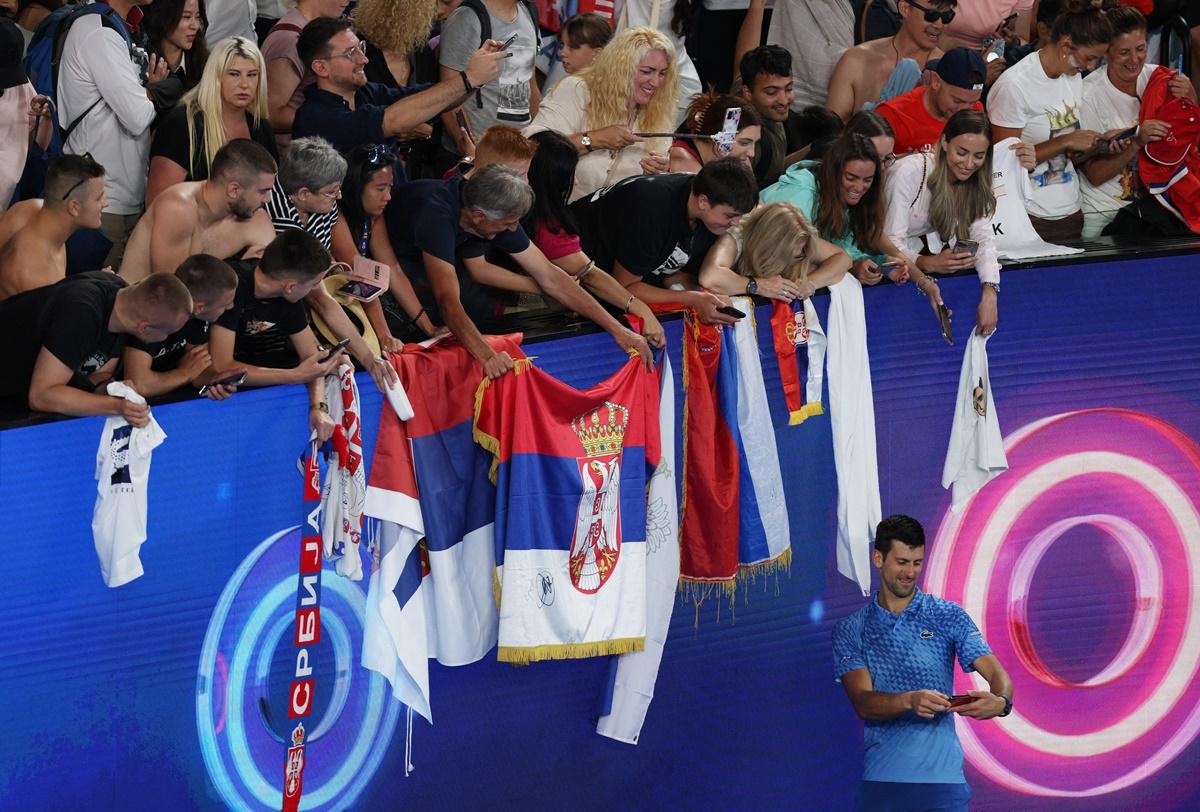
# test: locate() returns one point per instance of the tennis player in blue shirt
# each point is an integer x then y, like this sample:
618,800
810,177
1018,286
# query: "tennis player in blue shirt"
895,658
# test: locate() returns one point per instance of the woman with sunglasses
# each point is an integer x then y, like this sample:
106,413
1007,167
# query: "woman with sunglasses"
1038,100
842,196
174,30
773,252
551,227
229,103
884,68
361,233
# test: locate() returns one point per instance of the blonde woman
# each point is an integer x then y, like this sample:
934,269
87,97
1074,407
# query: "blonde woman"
631,87
229,103
774,252
949,194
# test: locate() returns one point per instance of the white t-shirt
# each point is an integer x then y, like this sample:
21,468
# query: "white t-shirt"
1106,108
1025,98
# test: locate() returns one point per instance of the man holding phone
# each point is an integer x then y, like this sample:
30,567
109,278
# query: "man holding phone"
268,315
895,659
156,368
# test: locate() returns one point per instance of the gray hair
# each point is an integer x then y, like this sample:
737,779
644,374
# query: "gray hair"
498,192
310,163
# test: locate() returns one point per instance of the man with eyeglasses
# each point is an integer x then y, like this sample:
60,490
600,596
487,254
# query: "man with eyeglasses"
884,68
224,216
346,110
33,233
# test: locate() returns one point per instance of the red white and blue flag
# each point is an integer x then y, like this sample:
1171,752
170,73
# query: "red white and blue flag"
431,592
571,470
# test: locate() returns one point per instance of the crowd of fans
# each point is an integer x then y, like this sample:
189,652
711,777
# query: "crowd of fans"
201,197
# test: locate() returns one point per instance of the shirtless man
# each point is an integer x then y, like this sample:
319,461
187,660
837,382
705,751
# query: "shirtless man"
863,71
224,216
33,233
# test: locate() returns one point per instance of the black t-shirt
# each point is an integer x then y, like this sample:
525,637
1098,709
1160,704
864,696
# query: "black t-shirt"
70,318
262,326
642,222
171,141
165,355
424,217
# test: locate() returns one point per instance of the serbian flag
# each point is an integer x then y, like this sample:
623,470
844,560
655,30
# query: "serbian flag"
345,484
571,470
764,534
792,329
632,676
708,556
429,488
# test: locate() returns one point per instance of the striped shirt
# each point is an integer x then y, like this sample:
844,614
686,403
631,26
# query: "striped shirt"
284,216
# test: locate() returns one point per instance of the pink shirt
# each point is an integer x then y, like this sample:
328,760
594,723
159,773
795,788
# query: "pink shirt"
282,45
555,245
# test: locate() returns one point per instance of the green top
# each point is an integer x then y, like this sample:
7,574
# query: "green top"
798,186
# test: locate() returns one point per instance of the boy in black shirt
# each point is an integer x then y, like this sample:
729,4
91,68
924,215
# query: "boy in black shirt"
158,368
268,304
63,340
651,231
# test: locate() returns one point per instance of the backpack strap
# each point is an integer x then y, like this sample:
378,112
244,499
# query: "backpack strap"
282,26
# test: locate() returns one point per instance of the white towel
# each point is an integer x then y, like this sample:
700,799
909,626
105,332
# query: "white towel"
852,418
976,453
634,674
1015,237
122,482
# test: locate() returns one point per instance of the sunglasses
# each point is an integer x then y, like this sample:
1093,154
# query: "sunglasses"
932,15
90,167
381,155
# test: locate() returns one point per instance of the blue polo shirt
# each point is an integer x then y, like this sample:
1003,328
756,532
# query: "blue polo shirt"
912,651
327,114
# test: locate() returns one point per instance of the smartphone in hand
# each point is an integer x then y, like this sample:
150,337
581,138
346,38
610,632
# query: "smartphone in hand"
958,700
730,310
341,345
966,247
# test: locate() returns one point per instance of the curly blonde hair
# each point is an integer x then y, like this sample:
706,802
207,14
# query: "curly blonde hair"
610,82
206,96
772,236
398,26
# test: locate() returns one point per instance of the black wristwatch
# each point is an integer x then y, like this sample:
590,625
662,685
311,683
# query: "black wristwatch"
586,141
1007,705
752,287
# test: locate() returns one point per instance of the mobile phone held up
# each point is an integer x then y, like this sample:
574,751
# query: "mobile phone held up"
730,310
958,700
966,247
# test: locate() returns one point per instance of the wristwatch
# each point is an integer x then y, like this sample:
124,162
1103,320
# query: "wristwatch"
586,141
752,287
1007,705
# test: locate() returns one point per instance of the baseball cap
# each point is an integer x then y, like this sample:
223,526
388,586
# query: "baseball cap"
961,67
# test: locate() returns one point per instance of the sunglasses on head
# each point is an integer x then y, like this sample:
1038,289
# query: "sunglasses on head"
381,155
91,167
932,15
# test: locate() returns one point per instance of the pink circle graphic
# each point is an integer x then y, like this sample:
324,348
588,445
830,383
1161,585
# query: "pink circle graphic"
1132,481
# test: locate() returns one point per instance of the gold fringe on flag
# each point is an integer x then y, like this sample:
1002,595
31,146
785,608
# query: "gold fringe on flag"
804,412
523,655
492,444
